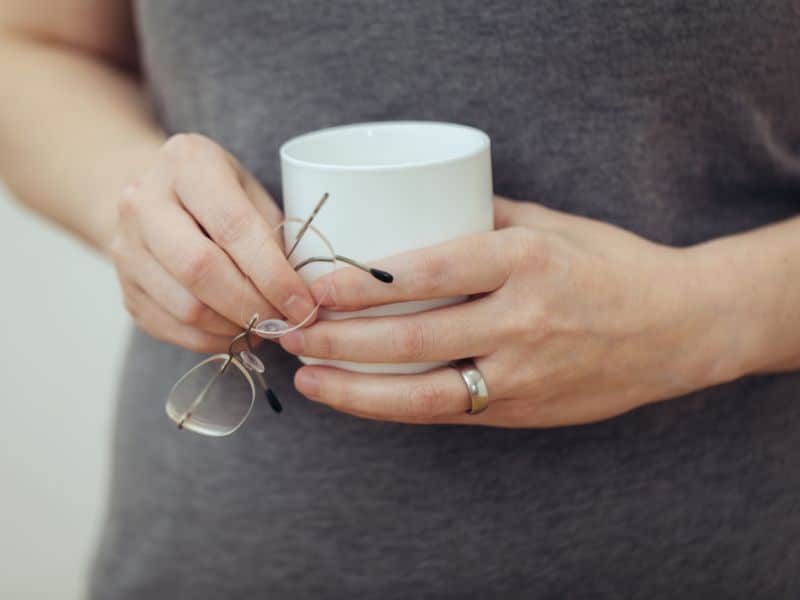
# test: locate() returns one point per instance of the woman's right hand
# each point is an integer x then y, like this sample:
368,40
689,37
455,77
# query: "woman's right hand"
186,232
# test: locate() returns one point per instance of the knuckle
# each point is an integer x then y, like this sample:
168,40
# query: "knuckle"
117,249
196,268
433,271
410,342
183,146
129,203
176,146
424,400
232,226
320,343
193,312
533,249
326,346
532,321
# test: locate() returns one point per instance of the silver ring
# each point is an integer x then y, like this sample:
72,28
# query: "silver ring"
476,385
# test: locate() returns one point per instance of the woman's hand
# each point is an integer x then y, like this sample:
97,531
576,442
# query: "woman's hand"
571,321
187,231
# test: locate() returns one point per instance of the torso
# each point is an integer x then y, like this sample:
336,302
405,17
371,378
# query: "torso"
676,120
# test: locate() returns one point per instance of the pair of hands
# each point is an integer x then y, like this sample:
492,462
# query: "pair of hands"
570,321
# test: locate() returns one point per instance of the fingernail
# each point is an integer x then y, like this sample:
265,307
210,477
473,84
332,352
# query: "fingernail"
293,342
307,382
297,308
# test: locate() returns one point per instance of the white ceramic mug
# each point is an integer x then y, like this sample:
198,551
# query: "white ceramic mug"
394,186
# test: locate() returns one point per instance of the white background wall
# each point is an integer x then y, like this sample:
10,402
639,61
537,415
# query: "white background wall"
63,328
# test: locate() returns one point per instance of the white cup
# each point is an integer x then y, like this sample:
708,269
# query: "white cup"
394,186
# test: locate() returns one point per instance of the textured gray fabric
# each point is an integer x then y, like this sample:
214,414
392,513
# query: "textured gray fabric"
678,120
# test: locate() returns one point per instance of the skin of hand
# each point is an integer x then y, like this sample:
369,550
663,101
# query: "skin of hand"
188,232
565,290
193,220
570,321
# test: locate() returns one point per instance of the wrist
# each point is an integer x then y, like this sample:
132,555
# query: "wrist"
102,222
728,340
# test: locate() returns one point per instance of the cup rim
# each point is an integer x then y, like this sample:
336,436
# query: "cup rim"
285,148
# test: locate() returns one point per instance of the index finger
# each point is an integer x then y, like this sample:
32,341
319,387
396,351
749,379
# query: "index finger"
208,186
472,264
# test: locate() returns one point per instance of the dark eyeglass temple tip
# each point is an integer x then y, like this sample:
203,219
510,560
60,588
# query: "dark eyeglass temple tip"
273,400
383,276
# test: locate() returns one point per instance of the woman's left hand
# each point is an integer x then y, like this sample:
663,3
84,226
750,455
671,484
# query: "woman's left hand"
570,321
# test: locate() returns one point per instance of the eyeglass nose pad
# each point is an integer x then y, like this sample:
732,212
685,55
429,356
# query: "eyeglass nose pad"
251,361
271,328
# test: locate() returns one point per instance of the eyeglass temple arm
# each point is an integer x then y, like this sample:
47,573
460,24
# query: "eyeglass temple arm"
245,335
383,276
274,403
271,397
307,223
378,274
